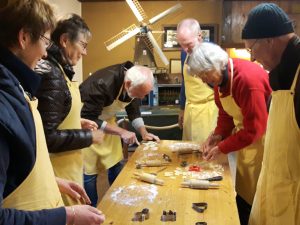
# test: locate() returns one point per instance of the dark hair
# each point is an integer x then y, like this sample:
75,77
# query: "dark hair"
72,26
34,16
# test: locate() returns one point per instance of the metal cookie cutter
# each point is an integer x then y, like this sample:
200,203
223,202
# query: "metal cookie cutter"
201,223
200,206
168,216
141,216
167,158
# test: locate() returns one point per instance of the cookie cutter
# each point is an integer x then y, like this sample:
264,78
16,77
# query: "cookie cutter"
168,216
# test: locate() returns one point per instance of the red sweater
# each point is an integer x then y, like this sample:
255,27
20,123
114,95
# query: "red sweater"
251,92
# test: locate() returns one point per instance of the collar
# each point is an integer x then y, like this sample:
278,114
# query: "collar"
225,77
282,75
124,67
55,55
29,80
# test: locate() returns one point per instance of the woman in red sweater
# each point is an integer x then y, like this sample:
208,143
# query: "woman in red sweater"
242,92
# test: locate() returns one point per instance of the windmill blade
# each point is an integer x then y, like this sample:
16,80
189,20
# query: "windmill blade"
157,31
165,13
157,48
137,9
121,37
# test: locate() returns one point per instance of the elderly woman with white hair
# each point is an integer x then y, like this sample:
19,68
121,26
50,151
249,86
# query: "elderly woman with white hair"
104,93
241,93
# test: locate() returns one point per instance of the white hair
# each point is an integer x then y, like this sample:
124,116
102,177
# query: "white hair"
207,57
138,75
189,24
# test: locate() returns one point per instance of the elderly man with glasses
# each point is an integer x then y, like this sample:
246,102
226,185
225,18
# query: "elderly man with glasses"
270,33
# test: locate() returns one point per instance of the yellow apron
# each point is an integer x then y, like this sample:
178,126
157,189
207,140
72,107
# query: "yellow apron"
200,113
69,165
39,190
249,159
105,155
277,199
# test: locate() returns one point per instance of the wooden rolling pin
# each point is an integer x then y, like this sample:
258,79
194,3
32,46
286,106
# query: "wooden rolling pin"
150,178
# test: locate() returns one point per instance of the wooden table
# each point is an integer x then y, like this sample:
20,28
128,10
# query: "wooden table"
120,202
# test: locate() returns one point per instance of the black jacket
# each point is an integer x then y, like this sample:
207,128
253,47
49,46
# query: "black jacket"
55,103
101,89
281,78
18,140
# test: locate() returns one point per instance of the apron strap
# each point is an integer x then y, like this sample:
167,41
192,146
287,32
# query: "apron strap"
62,70
295,79
231,74
120,91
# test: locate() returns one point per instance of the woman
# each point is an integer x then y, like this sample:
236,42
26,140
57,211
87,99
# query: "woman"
28,190
60,103
241,93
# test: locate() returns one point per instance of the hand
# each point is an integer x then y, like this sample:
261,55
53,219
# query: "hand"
129,137
98,136
88,124
72,189
180,118
149,137
210,142
84,215
211,154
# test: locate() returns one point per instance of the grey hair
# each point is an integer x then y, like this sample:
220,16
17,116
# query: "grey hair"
139,75
207,57
189,24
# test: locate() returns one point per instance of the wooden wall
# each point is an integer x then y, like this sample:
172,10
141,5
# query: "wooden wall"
235,15
106,19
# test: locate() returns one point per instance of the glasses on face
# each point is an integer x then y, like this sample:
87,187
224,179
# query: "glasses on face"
251,47
47,41
83,44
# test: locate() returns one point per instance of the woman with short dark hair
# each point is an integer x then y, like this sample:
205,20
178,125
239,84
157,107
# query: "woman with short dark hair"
60,102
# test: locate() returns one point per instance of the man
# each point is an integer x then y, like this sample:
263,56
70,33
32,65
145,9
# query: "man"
198,110
105,93
241,93
270,37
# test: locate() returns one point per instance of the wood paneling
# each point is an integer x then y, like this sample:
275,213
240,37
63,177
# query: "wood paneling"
235,15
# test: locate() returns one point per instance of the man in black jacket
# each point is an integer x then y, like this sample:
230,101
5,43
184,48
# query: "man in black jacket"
104,93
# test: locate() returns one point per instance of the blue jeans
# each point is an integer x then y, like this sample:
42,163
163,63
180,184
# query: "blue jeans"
90,182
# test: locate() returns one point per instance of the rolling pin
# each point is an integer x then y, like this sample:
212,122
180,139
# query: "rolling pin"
150,178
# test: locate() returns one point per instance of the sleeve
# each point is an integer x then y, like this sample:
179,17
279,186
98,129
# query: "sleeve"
251,99
133,110
19,217
182,98
225,123
94,95
51,107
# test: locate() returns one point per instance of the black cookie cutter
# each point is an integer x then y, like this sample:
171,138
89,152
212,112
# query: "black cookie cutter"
200,206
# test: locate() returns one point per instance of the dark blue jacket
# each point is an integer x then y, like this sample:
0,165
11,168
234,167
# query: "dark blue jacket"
17,140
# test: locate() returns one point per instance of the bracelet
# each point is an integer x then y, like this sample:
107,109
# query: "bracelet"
74,214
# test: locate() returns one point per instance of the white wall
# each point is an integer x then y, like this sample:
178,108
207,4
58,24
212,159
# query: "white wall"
62,8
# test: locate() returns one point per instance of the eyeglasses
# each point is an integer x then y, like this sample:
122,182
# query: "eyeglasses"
83,44
48,42
251,47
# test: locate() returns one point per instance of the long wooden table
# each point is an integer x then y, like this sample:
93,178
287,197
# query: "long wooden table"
128,195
